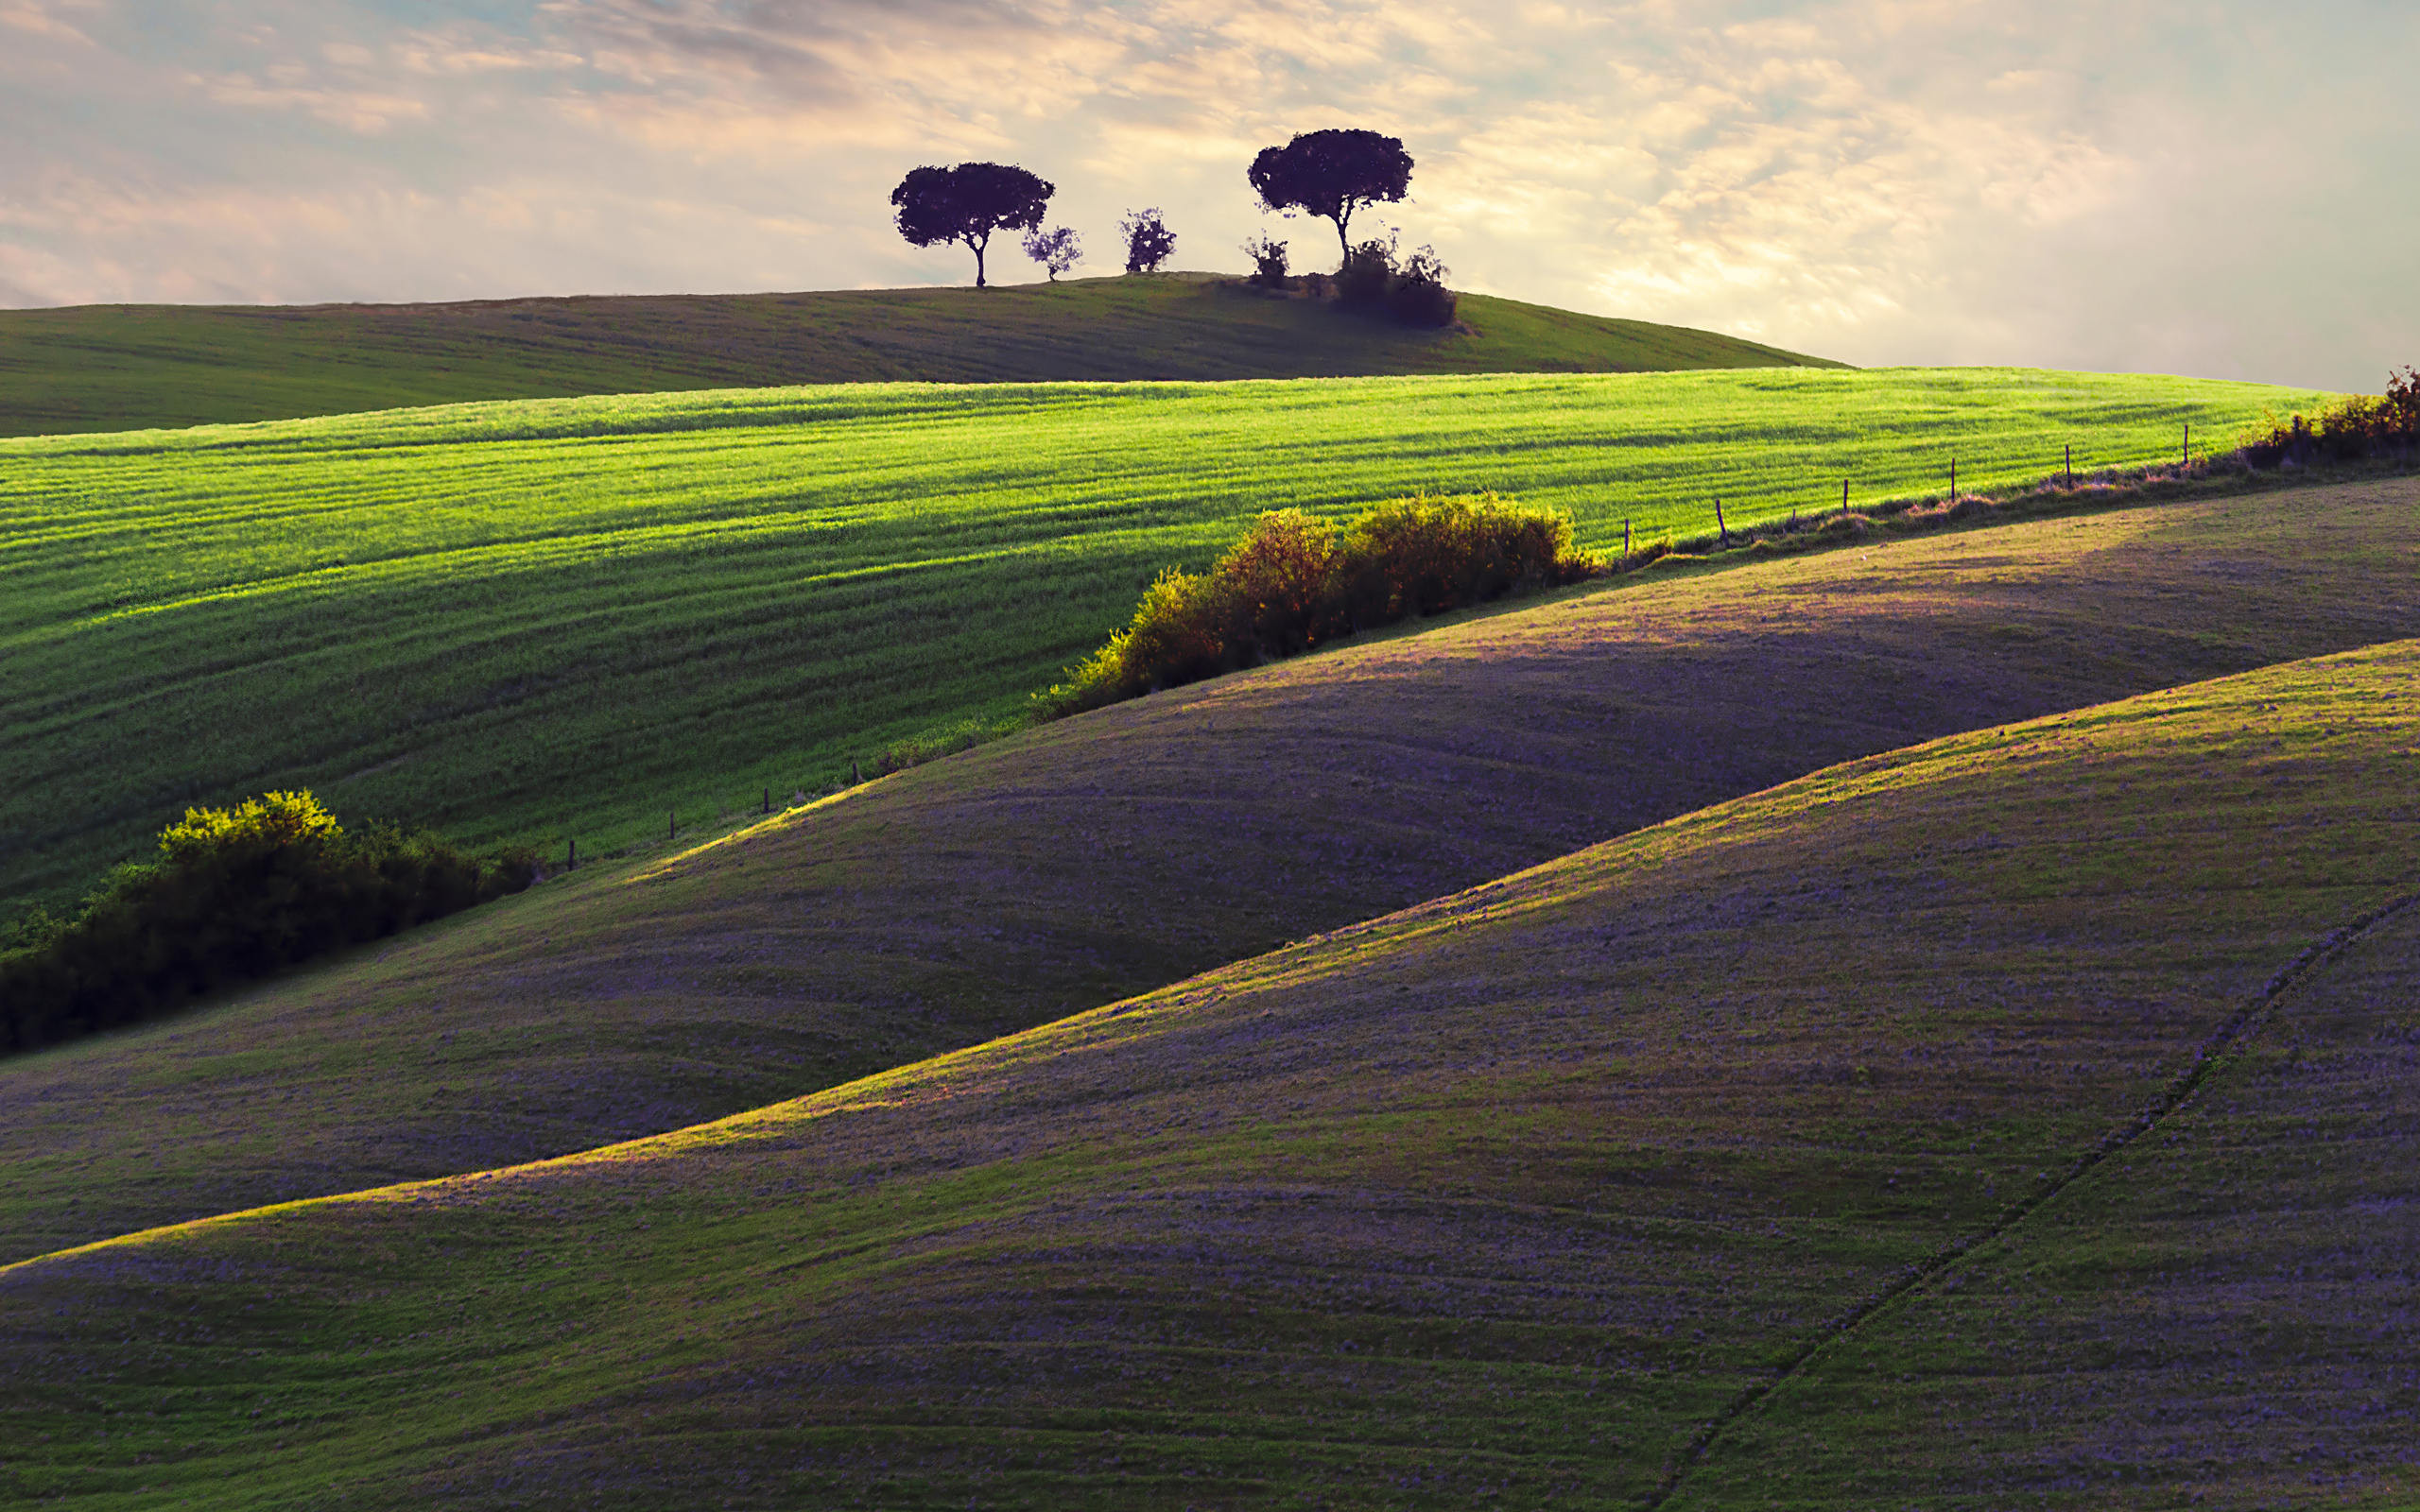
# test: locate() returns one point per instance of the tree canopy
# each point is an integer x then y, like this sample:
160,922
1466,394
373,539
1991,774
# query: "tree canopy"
1332,173
968,203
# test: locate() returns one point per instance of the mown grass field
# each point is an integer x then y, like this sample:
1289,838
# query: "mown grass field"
559,620
1507,1196
1107,855
105,368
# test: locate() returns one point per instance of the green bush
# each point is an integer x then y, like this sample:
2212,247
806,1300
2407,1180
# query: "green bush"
235,894
2356,426
1297,582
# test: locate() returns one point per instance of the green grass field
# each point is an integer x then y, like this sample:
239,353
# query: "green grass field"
1103,856
106,367
1507,1196
560,619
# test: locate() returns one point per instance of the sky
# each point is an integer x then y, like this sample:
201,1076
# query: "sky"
2219,188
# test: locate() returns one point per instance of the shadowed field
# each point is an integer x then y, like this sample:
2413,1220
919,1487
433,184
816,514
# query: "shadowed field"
115,366
564,620
1504,1196
1087,861
2223,1314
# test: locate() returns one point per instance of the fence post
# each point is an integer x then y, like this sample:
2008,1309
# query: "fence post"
2188,443
1953,480
1625,540
854,778
768,801
671,824
1844,495
1721,527
2071,465
571,862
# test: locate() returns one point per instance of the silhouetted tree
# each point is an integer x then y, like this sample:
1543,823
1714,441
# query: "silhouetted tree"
1148,241
968,203
1056,250
1333,174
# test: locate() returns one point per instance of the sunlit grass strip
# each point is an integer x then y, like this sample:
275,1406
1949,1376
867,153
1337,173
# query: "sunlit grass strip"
554,620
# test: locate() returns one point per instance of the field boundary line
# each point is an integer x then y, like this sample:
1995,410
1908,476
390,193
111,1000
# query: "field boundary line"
2218,1049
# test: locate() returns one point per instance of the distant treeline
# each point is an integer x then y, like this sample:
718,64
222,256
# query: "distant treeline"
1297,582
235,895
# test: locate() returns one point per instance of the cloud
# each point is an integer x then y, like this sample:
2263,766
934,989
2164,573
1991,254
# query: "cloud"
1880,179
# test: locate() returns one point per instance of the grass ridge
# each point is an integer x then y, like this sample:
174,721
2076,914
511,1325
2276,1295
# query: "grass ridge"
2219,1050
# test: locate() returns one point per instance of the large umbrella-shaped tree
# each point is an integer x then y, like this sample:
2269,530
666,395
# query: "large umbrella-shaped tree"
968,203
1332,173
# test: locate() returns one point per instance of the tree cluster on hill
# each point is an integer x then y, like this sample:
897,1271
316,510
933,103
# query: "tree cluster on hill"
235,894
1331,174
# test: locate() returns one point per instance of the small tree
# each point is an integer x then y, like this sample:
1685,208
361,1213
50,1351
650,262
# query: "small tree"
1148,241
1332,174
1268,261
1056,250
968,203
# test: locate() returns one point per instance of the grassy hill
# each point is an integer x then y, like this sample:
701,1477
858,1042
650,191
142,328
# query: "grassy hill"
1509,1195
115,366
1110,855
554,620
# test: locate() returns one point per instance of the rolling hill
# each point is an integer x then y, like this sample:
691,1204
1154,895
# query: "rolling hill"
1107,855
547,621
1518,1194
106,367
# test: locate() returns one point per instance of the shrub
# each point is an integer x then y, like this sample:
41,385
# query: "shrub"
1268,261
1368,271
1420,296
1148,241
2356,426
235,894
1296,581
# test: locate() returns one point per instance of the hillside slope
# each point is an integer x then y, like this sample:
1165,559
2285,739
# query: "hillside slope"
558,620
1503,1197
107,368
1086,861
2226,1306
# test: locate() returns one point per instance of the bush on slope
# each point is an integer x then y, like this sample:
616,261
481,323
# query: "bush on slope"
235,894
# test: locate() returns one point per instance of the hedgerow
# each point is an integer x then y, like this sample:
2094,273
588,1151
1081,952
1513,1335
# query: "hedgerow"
2356,426
1297,582
235,894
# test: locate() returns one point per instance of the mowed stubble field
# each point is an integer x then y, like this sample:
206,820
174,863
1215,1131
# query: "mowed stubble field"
1505,1196
548,621
1110,855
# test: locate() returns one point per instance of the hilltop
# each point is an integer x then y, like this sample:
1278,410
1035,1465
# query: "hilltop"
1524,1194
1115,852
106,367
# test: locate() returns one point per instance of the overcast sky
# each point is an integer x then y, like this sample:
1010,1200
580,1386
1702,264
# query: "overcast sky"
2221,188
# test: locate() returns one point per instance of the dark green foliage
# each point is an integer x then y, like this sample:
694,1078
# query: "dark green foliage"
1297,582
1413,291
235,895
1420,296
1367,272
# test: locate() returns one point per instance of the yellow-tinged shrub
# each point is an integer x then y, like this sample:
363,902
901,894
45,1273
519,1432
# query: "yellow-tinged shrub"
271,819
1296,581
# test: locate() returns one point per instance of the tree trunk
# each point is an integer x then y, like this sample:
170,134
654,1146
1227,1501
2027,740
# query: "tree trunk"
978,258
1345,245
